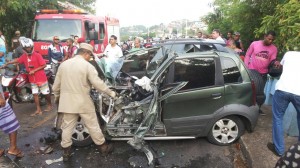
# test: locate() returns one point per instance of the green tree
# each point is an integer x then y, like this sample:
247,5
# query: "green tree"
124,37
244,16
286,23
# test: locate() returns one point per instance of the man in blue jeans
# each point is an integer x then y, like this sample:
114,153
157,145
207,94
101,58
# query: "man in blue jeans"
287,91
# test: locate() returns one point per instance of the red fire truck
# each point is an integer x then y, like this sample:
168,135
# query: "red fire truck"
67,23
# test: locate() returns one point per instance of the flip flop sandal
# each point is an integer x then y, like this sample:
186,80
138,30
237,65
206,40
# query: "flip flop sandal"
20,154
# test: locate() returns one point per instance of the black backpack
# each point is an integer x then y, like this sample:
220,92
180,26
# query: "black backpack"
273,70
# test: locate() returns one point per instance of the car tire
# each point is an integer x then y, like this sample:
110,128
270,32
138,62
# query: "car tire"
81,136
259,86
76,142
226,131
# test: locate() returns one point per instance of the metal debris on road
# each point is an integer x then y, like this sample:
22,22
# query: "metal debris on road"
49,162
46,149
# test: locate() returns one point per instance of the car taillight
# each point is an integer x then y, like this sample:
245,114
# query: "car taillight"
253,92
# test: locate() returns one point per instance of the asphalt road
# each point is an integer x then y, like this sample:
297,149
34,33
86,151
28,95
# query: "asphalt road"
194,153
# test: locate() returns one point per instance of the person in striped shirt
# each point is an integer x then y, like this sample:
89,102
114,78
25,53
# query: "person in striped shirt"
9,125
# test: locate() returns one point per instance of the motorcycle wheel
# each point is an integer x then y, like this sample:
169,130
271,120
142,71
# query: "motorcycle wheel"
43,100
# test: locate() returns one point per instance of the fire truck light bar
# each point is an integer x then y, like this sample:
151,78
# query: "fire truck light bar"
64,11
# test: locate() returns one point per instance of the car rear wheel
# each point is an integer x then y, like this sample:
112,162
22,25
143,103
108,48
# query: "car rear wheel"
226,131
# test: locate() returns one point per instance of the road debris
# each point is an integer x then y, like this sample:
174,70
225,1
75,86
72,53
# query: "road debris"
49,162
46,149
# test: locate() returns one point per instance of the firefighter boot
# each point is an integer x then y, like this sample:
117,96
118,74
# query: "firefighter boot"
66,154
105,148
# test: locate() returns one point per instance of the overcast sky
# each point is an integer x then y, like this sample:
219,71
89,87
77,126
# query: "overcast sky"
152,12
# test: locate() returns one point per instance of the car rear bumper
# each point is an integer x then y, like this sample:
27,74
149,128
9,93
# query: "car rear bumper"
253,116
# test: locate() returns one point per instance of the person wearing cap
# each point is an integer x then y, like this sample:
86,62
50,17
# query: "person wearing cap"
238,41
15,40
74,80
81,40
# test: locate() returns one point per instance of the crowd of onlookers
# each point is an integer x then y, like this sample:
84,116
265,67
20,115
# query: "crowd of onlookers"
232,40
136,44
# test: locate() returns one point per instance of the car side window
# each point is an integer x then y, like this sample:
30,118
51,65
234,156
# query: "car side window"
231,72
199,72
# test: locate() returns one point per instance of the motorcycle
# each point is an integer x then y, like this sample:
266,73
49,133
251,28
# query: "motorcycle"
19,87
51,70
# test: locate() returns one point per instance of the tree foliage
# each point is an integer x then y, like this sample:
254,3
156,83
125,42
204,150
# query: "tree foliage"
244,16
286,22
17,14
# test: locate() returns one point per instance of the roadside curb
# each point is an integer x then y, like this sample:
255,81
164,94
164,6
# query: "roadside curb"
246,152
254,144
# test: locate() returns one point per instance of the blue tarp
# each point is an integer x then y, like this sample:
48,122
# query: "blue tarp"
290,116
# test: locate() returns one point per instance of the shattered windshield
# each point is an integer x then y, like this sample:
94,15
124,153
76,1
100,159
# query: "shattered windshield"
45,29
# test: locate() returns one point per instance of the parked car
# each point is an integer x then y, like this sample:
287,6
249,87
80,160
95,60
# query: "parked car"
184,95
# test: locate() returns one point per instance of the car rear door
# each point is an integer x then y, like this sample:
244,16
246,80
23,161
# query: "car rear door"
188,111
